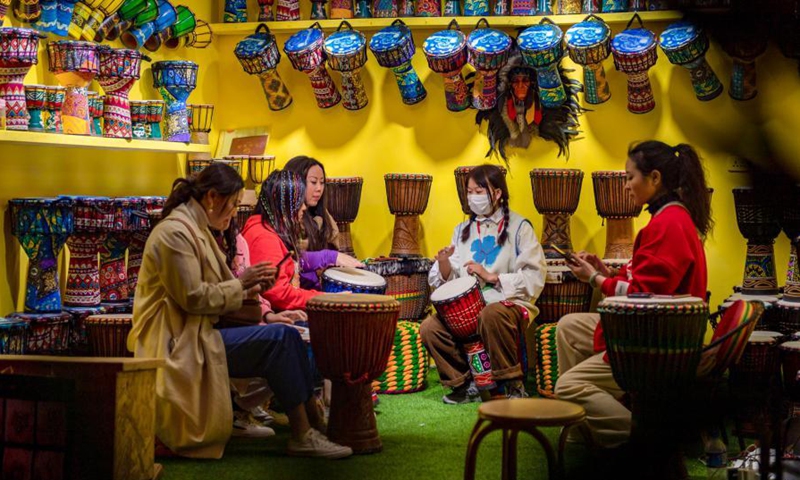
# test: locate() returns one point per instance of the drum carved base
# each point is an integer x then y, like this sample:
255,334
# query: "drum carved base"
556,232
352,418
619,238
759,270
345,239
792,288
405,241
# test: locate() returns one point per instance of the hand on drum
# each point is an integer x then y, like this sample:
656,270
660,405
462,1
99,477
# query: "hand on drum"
345,260
595,261
474,268
287,316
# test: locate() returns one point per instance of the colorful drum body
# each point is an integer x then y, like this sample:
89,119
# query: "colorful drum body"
183,26
346,279
113,272
476,8
556,193
542,47
347,53
14,336
407,195
97,17
235,11
47,334
47,22
305,50
790,361
546,360
407,282
634,52
344,198
488,51
452,8
155,113
611,6
259,55
394,48
119,70
686,44
35,98
615,206
744,52
52,113
462,176
18,53
145,217
563,293
407,368
427,8
568,7
386,9
142,30
108,334
139,118
75,64
175,81
758,218
523,8
446,52
588,44
759,365
92,217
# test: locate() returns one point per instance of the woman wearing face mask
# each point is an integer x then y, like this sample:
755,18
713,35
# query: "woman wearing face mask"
500,248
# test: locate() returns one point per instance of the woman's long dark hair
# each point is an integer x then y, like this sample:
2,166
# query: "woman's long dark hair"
682,173
282,196
218,176
318,237
491,178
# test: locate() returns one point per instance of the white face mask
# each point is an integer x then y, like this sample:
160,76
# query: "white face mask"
479,204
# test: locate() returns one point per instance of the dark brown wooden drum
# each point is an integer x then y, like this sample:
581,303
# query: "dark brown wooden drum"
108,334
616,206
407,194
556,193
344,198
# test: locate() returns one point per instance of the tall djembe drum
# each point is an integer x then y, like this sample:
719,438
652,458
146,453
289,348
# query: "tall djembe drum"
113,273
347,53
119,70
407,195
259,55
75,64
344,198
488,51
634,51
617,209
462,176
394,48
686,44
542,48
588,44
446,52
305,50
200,117
143,222
351,336
18,53
175,80
789,306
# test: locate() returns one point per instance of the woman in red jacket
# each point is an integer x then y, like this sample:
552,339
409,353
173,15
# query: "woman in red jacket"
668,259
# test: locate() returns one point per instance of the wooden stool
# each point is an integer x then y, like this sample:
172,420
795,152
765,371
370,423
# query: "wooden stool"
526,414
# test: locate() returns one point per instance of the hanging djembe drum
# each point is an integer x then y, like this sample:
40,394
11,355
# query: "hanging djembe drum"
488,51
145,26
347,53
201,36
175,80
139,119
113,273
47,21
344,197
97,17
259,55
634,51
200,116
185,23
462,177
744,45
588,45
122,19
305,50
75,64
542,48
393,47
80,15
64,10
446,52
407,195
18,53
617,209
119,70
686,44
149,209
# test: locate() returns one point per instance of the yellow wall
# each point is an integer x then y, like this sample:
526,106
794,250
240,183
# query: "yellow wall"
388,136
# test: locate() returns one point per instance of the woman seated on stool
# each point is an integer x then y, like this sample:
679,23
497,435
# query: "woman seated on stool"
184,286
668,259
500,248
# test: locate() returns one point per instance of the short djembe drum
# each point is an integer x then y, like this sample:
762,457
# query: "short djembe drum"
523,8
758,218
52,112
75,64
259,55
113,273
47,333
563,293
354,280
35,98
185,23
142,30
18,53
149,209
175,80
546,359
407,368
446,52
612,6
93,216
589,44
344,198
119,70
617,209
351,337
287,10
200,116
108,334
462,177
155,113
686,44
393,47
488,51
96,113
13,336
347,53
407,195
634,51
139,110
305,50
542,48
406,281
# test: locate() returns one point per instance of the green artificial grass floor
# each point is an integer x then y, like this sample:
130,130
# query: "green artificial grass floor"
422,439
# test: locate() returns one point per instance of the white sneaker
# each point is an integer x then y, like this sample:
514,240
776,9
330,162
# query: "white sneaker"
246,426
262,416
315,444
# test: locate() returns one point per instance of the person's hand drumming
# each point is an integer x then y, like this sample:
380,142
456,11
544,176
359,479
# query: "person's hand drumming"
345,260
258,278
474,268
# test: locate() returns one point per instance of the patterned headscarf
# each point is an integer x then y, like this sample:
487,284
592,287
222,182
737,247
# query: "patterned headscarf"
279,203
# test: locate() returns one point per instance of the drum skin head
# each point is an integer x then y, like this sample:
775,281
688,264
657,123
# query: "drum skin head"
345,302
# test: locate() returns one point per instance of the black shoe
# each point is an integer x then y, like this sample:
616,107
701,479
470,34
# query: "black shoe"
464,393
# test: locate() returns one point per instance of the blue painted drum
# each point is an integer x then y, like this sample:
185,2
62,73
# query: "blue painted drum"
394,48
347,53
446,52
685,44
634,52
345,279
304,50
488,51
259,55
542,48
588,44
175,81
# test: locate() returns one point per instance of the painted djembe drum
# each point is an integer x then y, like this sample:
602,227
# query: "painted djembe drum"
588,45
459,303
35,98
93,216
200,37
744,45
544,7
758,218
351,337
235,11
149,209
591,6
488,51
556,193
394,48
347,53
96,18
53,106
47,21
407,195
542,48
201,116
568,7
155,113
407,368
75,64
13,336
146,27
406,8
27,11
193,167
617,209
259,55
259,167
546,359
386,9
406,281
47,333
523,8
80,15
428,8
108,334
175,80
361,9
185,23
446,52
96,113
452,8
318,10
4,6
113,274
344,198
462,177
42,226
342,9
122,19
634,51
686,44
18,53
354,280
265,11
476,8
139,118
612,6
305,50
287,10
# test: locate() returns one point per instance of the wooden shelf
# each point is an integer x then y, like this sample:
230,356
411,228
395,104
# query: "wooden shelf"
79,141
440,22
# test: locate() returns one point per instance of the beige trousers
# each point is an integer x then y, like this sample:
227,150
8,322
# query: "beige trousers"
586,379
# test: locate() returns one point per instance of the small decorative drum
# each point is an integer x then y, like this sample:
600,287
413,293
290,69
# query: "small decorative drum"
542,48
139,123
47,22
185,24
318,10
462,176
155,113
148,209
407,281
744,45
407,195
556,193
193,167
96,18
616,207
200,117
476,8
394,48
344,198
35,98
351,337
235,11
588,44
141,32
18,53
13,336
259,55
459,304
75,65
361,9
546,360
121,20
427,8
113,274
488,51
634,51
96,113
386,9
347,53
259,167
524,8
305,50
591,6
446,52
265,11
355,280
790,223
287,10
407,368
119,70
47,333
790,361
92,217
108,334
344,9
612,6
544,7
52,113
175,80
568,7
42,226
685,44
452,8
758,218
562,294
28,11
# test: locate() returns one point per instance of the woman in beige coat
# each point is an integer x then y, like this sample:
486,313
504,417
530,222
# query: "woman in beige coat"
184,286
